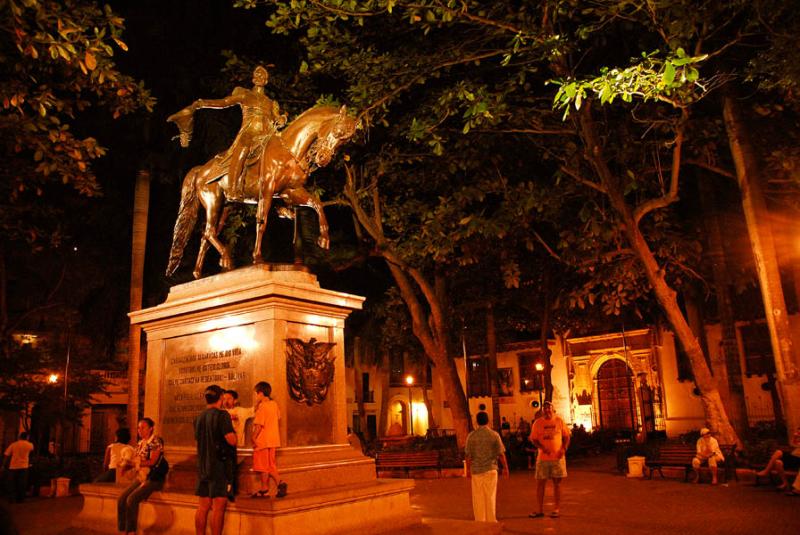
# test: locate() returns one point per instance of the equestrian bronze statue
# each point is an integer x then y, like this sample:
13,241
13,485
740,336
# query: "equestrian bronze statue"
261,163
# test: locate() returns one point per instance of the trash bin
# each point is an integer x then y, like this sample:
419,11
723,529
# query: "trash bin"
635,466
62,487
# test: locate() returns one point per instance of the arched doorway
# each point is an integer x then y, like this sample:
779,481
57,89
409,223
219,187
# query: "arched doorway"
398,418
615,396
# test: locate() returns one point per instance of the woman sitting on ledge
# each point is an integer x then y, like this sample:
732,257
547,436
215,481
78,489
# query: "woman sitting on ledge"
151,472
783,460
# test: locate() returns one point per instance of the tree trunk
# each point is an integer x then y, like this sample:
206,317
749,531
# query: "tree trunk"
3,304
737,406
758,228
358,385
140,210
428,405
716,417
432,335
491,347
383,419
428,323
544,331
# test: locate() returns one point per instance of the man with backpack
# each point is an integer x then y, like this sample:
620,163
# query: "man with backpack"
216,459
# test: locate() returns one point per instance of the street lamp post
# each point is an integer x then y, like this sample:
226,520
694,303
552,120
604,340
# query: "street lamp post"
540,369
410,383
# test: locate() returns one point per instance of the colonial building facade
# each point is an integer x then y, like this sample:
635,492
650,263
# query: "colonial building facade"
636,382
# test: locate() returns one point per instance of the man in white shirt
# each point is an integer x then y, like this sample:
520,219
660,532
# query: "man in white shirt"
483,450
239,415
707,451
17,455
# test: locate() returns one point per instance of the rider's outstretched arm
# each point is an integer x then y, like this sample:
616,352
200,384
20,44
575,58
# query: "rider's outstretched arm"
218,103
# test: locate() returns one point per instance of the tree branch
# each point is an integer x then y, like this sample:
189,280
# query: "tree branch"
712,168
584,181
345,12
549,250
671,195
419,77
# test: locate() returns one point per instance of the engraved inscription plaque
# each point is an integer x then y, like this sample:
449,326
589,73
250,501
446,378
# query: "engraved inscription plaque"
193,362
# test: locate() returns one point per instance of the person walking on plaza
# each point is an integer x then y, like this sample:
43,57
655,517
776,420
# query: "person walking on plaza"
483,449
707,451
151,472
550,436
17,456
216,458
266,440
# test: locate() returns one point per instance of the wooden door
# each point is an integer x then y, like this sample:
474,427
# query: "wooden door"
615,395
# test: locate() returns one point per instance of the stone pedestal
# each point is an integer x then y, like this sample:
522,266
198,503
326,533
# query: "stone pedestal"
231,329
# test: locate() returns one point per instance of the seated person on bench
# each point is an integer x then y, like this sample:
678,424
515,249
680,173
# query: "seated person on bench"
707,451
782,460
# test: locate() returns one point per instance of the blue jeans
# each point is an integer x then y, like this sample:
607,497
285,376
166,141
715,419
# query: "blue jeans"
128,503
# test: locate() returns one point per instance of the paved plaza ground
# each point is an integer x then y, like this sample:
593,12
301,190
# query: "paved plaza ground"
596,500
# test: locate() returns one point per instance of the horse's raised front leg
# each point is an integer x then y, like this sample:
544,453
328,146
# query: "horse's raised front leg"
299,196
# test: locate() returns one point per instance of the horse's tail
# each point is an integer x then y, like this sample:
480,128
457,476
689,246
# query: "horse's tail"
187,217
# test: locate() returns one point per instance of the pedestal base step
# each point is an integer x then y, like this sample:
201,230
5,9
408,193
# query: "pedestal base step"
373,507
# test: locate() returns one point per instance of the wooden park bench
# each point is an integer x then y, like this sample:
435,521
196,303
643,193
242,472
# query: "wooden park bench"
407,460
681,456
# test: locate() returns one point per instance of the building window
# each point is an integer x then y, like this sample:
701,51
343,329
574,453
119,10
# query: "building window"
758,358
531,376
478,369
685,372
367,395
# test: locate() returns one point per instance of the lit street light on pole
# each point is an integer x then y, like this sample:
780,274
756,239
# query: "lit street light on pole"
410,383
540,371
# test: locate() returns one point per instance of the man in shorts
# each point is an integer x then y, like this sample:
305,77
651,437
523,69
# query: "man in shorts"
707,452
216,457
550,436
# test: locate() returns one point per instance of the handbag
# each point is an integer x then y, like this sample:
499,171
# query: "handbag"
158,472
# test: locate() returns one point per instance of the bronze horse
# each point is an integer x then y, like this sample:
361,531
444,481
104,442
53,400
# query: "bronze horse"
280,170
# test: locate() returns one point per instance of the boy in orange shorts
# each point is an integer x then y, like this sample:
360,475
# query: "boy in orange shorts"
266,439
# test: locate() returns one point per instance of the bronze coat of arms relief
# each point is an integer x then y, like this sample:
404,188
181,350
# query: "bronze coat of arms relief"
309,369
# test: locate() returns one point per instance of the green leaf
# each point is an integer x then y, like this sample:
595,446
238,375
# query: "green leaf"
669,73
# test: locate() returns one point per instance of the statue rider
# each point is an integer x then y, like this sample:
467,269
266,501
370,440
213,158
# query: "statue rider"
261,118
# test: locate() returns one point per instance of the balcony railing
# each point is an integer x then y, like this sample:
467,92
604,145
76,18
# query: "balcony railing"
366,397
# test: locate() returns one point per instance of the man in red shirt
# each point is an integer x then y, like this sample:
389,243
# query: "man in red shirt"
550,436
